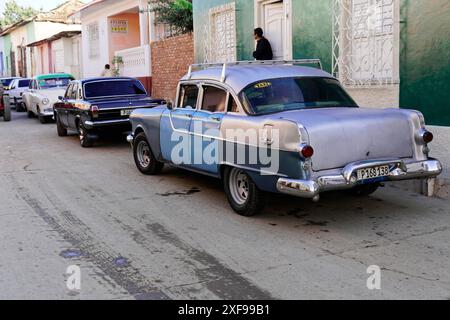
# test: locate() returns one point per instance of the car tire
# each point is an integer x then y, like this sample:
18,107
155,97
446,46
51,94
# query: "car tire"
7,114
42,119
364,190
83,134
243,195
62,132
144,157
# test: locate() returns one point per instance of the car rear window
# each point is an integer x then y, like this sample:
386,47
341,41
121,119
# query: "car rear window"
113,88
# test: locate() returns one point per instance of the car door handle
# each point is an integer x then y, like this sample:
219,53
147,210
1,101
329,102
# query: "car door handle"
216,118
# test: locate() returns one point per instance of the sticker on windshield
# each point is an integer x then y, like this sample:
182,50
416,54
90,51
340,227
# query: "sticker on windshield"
263,85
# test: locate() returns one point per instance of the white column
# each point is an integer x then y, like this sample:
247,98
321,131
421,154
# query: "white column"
144,22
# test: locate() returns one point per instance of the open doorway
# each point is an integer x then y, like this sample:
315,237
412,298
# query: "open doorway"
274,16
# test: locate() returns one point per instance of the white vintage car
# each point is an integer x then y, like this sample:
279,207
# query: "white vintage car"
43,93
17,88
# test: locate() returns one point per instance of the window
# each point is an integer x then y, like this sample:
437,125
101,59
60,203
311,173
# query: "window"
113,88
232,105
73,93
214,99
68,91
222,34
54,82
279,95
24,83
93,38
366,42
189,95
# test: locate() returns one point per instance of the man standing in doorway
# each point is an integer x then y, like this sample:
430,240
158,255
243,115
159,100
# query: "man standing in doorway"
263,47
107,72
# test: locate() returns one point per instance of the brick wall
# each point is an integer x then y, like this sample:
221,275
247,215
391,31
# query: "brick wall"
170,61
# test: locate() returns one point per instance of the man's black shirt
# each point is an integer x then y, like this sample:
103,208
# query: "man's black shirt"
263,50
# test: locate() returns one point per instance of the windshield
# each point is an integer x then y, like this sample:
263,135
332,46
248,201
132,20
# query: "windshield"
286,94
54,82
113,88
6,82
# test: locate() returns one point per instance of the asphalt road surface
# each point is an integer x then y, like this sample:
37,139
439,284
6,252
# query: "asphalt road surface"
174,236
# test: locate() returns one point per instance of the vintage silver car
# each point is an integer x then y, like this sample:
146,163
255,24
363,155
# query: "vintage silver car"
279,127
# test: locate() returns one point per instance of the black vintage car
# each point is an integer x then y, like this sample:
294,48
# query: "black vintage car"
93,107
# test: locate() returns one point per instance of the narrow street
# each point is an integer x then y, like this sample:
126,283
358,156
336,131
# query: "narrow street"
174,236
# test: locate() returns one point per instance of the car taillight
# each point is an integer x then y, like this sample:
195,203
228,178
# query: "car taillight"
94,111
427,136
307,151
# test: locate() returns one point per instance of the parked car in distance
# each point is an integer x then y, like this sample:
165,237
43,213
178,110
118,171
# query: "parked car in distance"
319,139
17,88
5,111
43,93
6,82
93,107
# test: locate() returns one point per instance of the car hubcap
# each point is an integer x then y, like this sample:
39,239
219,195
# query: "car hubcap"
82,134
239,186
143,154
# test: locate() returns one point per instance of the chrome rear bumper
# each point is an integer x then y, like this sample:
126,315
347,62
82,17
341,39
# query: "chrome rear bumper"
347,179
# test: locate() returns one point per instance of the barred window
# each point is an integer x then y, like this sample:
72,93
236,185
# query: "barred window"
222,34
93,34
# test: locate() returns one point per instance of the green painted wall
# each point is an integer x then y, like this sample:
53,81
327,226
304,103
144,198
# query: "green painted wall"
425,59
7,45
244,26
312,25
31,34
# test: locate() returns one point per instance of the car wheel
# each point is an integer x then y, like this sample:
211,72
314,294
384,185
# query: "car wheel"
364,190
62,132
30,113
144,158
42,119
7,114
85,141
243,195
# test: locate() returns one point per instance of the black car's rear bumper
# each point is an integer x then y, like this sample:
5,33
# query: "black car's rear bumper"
89,125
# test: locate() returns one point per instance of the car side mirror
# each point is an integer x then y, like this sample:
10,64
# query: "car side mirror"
169,104
60,98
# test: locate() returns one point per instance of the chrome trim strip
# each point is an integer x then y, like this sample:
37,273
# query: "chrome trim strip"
93,124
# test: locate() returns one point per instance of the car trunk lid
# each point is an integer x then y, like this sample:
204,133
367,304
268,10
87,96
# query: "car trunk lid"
341,136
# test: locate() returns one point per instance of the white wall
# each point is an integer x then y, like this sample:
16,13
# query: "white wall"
93,66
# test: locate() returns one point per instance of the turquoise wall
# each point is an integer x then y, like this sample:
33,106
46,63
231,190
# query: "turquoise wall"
312,25
244,26
425,59
7,45
312,28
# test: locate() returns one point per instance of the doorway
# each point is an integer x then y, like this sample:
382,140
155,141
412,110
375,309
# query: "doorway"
274,16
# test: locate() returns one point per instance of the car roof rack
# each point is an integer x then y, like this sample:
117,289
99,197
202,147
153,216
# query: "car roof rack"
224,65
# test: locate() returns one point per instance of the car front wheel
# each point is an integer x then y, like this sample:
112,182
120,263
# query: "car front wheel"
144,158
243,195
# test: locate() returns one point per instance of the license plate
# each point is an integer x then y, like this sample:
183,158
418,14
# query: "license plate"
372,173
126,112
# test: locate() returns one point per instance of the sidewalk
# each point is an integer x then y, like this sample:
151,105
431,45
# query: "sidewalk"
440,149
